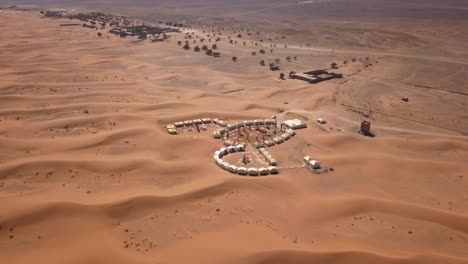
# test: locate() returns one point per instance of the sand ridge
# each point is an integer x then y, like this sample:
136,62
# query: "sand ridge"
88,173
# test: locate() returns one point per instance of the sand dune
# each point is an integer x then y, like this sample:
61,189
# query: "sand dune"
89,174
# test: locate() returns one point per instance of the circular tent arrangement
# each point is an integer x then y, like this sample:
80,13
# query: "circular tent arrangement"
218,158
287,129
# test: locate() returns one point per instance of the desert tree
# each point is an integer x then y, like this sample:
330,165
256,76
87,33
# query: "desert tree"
288,58
277,60
196,49
179,43
334,65
273,67
186,46
262,62
215,47
205,47
209,52
234,58
254,53
262,51
281,76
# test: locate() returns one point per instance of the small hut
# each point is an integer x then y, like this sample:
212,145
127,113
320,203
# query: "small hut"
365,127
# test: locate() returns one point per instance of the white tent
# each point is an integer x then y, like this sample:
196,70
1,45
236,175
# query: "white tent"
321,121
231,149
222,152
295,124
273,170
263,171
242,171
216,134
252,171
224,165
240,147
315,164
232,168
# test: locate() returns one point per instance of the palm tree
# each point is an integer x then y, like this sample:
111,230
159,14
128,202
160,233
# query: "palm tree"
216,54
209,52
205,47
262,51
196,49
254,53
215,47
186,46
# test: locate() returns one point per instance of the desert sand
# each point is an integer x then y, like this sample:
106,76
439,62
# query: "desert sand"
89,174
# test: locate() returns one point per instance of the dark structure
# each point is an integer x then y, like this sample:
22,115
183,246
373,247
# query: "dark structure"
365,128
315,76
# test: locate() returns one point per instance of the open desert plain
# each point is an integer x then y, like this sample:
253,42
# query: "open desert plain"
152,131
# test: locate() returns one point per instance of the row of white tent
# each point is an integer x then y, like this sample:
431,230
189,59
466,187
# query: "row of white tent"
218,155
281,138
258,122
